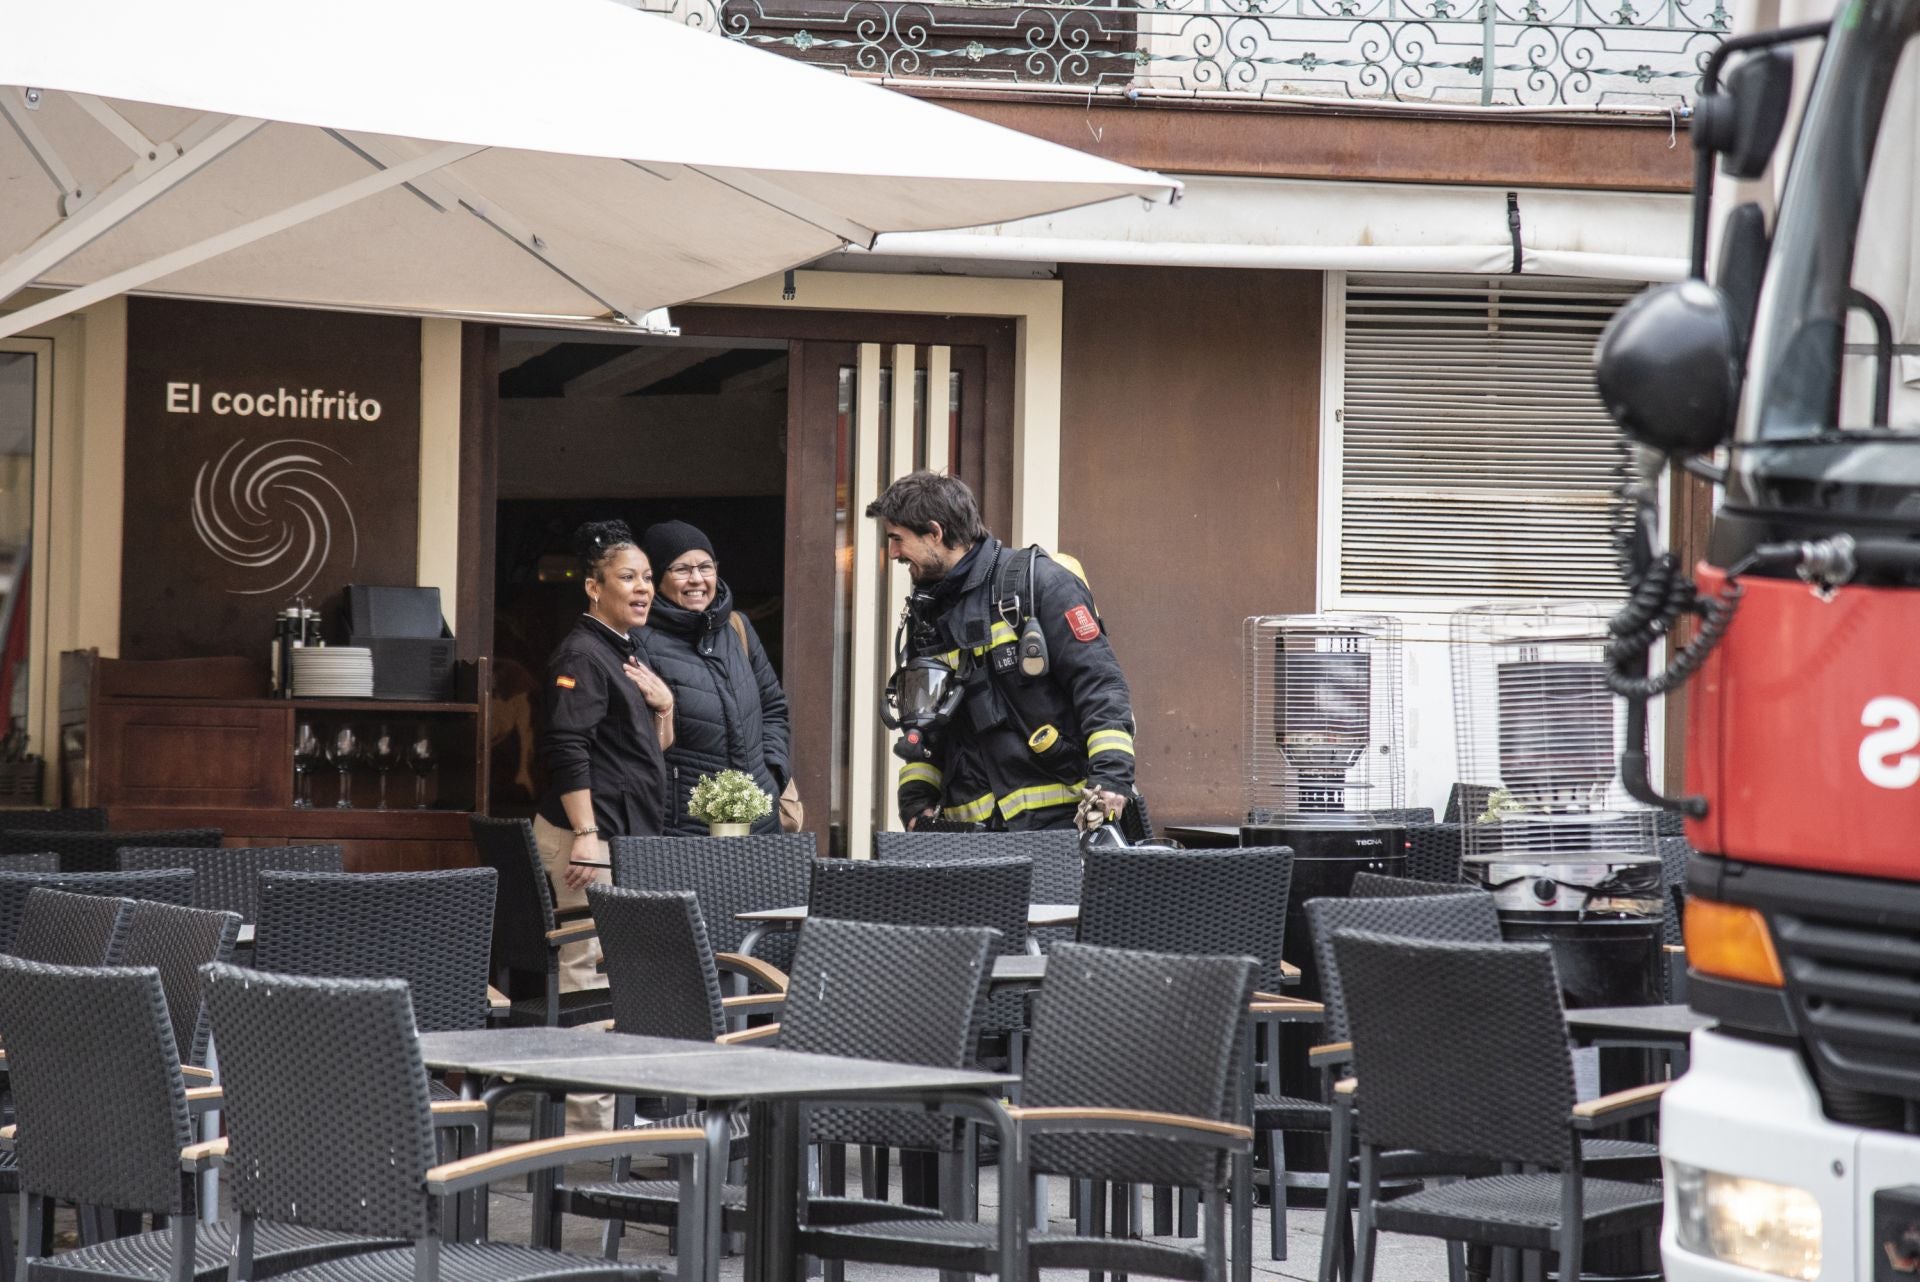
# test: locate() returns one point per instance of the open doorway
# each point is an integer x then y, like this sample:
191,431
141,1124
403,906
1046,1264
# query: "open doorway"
596,427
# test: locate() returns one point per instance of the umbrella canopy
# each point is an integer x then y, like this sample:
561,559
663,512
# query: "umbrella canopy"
552,161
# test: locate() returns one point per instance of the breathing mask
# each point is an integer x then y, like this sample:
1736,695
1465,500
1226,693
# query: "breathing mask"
922,694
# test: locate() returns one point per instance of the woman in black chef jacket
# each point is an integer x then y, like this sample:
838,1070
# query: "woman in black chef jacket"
608,718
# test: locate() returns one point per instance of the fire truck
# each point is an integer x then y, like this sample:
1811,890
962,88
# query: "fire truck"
1789,378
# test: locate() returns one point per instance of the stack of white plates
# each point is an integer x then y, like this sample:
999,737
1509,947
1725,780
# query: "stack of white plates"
333,672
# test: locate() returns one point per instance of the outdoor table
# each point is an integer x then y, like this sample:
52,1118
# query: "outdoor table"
1661,1028
773,1083
792,918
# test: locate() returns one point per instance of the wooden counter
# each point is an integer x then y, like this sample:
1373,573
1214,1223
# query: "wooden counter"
201,760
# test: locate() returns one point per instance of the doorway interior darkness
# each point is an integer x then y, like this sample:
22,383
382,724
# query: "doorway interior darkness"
596,427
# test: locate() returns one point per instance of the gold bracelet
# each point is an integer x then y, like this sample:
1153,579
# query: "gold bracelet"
585,832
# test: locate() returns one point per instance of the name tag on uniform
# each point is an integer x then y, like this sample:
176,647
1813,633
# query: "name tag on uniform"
1004,658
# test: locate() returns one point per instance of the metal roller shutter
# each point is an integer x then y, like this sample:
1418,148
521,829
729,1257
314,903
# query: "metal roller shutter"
1475,462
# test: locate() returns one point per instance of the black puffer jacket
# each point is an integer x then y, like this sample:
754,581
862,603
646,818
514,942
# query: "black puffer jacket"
729,711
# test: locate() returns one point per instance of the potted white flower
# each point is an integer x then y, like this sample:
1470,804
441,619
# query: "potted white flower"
730,803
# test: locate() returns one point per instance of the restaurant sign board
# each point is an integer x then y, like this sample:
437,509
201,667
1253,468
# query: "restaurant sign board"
272,455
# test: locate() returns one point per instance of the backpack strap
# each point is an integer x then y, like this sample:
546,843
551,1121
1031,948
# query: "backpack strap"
739,627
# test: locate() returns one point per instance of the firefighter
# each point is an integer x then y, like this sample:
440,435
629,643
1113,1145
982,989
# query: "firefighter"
1043,719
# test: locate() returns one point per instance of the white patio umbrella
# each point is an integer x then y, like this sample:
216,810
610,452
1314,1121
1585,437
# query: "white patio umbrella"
548,161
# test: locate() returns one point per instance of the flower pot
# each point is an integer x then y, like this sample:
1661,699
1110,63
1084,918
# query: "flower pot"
728,830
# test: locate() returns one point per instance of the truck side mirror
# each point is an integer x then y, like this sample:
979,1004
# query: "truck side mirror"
1743,121
1668,368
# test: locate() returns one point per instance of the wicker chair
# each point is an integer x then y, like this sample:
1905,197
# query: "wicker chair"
910,994
429,928
99,851
1466,802
177,942
971,892
106,1119
227,879
663,977
168,886
727,875
370,1169
61,928
1407,1002
1434,852
1465,916
44,861
77,819
1055,854
1117,1036
527,933
1409,816
1374,885
1218,902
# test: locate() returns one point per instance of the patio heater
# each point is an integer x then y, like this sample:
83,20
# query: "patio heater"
1325,776
1570,859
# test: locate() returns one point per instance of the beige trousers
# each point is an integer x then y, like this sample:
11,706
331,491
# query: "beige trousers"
579,963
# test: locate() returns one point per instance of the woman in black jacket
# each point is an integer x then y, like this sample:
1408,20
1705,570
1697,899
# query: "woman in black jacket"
729,710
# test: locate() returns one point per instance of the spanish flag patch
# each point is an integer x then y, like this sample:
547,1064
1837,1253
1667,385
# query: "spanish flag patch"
565,683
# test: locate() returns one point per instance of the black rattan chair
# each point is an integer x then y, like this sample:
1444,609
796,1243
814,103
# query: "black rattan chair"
1434,852
177,942
527,934
909,994
1466,802
99,851
1055,854
1133,1078
727,875
369,1169
167,885
105,1119
227,879
970,892
1508,1093
1374,885
1222,903
429,928
663,977
44,861
76,819
65,929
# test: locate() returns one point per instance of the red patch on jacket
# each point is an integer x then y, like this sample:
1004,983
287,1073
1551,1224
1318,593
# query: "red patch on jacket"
565,683
1085,626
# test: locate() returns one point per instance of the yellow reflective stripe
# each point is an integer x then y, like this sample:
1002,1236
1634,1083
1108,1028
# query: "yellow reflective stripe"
952,658
973,812
1040,796
1001,634
920,772
1109,741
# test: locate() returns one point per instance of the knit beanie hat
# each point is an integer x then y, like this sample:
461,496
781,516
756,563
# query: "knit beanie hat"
666,542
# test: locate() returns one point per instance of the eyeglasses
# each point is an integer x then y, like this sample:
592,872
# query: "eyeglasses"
704,570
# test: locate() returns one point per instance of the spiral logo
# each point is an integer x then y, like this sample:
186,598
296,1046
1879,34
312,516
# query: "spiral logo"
271,511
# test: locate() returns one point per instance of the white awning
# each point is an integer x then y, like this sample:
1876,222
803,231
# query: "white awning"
550,161
1309,225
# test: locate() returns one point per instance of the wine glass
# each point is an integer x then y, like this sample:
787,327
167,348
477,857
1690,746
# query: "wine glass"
383,754
342,749
307,756
421,759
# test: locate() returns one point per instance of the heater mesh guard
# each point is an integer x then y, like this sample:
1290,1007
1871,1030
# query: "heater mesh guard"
1324,718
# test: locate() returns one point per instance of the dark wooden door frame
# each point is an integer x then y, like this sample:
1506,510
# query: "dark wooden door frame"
819,342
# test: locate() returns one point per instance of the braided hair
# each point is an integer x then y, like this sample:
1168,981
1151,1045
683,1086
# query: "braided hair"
595,543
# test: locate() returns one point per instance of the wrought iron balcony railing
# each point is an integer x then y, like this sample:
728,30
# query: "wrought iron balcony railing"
1510,52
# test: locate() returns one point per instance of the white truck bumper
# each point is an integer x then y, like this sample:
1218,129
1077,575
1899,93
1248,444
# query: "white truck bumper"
1751,1110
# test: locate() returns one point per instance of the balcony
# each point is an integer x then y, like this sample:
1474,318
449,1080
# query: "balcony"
1625,54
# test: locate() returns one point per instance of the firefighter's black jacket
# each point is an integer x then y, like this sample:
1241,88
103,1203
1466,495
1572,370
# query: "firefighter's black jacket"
600,735
985,767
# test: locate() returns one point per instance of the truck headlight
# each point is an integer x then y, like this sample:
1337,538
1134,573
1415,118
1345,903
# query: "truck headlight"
1771,1228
